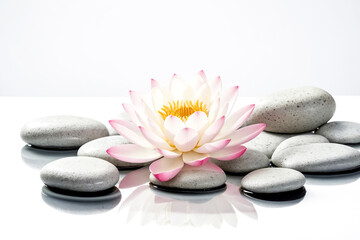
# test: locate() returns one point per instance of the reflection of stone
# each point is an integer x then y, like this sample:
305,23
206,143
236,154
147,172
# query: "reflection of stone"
187,209
37,158
84,207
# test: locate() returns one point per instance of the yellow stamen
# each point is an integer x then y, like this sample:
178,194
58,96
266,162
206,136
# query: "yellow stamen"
182,109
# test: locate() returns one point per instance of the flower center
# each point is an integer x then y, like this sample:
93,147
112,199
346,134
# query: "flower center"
182,109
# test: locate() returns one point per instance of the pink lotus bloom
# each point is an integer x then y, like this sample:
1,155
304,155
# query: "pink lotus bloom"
187,123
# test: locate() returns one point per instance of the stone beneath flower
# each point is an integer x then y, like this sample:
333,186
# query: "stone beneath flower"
186,123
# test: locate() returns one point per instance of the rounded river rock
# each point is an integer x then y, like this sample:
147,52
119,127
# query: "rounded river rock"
318,158
341,132
207,176
300,140
249,161
273,180
294,110
80,174
62,132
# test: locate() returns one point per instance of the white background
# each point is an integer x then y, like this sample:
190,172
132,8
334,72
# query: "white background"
105,48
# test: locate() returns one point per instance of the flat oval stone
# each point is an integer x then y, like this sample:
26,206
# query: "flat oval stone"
249,161
97,148
341,132
80,174
318,158
273,180
267,142
294,110
300,140
62,132
207,176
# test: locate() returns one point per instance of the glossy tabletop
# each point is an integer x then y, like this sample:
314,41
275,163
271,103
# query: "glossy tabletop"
329,210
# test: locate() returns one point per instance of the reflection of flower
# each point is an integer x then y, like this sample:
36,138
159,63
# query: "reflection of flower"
182,209
189,122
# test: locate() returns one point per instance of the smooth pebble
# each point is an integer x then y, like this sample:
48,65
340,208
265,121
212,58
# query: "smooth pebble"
207,176
80,174
318,158
273,180
300,140
341,132
249,161
294,110
62,132
267,142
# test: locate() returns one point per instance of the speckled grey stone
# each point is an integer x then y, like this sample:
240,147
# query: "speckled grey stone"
97,148
267,142
300,140
341,132
195,178
81,174
273,180
62,131
318,157
294,110
249,161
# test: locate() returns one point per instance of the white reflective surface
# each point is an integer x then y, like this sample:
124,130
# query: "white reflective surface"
329,210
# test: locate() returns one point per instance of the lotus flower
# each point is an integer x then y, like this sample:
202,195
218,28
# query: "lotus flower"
187,123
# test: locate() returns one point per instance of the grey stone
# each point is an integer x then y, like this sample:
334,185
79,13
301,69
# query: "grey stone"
295,110
249,161
273,180
267,142
80,174
318,157
206,176
300,140
97,148
341,132
62,131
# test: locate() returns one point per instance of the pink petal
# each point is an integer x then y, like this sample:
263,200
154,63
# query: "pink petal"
130,110
212,167
172,126
212,131
186,139
229,97
215,86
204,94
166,168
178,88
213,146
133,153
169,154
155,139
198,120
155,83
214,110
195,159
202,75
236,120
136,98
130,131
158,98
156,128
245,134
229,153
198,80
